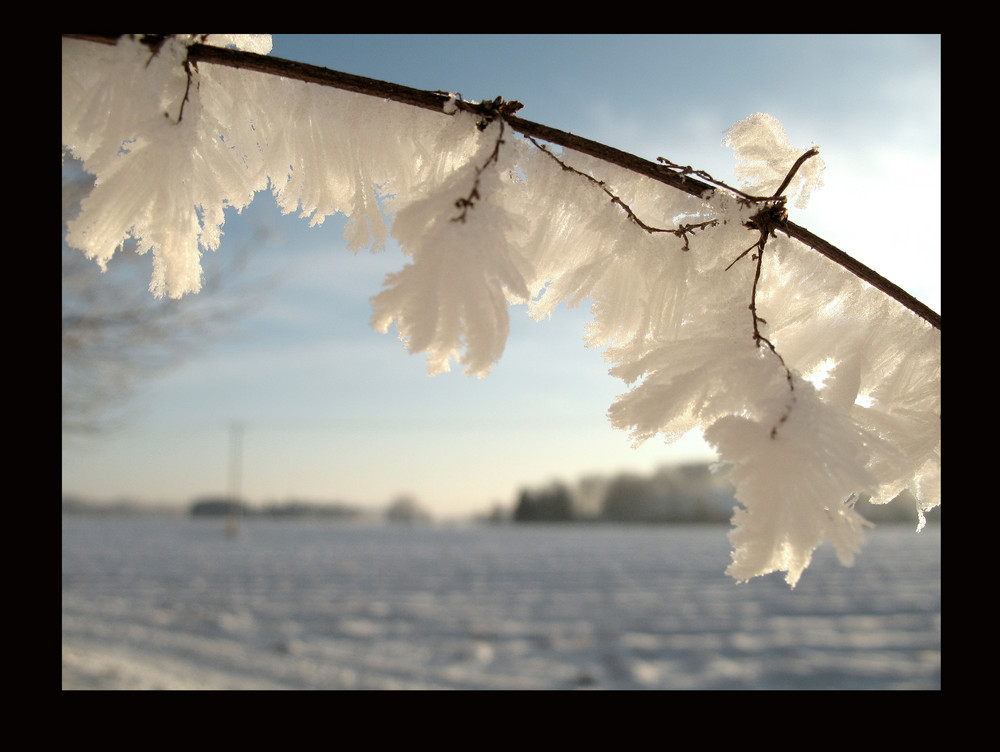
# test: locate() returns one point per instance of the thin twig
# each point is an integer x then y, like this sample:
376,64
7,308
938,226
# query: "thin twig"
793,170
681,232
467,203
766,221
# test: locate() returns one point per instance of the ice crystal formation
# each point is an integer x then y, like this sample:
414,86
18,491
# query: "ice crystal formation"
489,219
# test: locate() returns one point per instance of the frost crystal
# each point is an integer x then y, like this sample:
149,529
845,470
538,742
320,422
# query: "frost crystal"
171,148
452,301
763,156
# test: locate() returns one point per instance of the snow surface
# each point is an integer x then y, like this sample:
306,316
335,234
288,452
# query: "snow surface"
175,604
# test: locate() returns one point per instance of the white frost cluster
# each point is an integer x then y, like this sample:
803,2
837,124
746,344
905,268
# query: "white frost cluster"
856,412
763,156
167,167
452,301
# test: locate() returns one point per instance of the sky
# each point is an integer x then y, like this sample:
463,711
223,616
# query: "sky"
321,407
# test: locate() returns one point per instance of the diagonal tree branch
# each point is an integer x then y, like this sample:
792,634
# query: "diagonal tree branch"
435,100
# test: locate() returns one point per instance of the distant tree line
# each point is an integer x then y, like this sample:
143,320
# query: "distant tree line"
684,494
553,504
223,506
627,499
404,510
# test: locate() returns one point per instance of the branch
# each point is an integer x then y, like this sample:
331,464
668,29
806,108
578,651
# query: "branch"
435,100
695,187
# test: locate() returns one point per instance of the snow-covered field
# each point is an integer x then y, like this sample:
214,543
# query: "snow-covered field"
175,604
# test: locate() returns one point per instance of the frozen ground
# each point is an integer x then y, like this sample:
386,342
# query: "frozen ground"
174,604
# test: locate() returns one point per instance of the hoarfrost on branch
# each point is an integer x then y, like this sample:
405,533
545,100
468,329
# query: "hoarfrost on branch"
851,406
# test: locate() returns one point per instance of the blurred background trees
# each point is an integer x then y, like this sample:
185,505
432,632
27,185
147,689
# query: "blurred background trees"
116,336
688,493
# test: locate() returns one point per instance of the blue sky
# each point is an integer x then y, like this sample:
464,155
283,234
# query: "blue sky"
332,410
